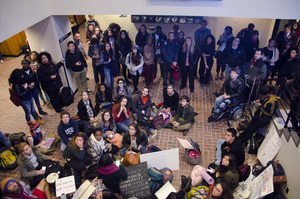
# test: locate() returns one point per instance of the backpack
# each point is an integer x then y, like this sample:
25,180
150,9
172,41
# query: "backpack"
152,148
193,156
156,179
66,96
198,192
17,138
14,98
8,159
255,142
167,174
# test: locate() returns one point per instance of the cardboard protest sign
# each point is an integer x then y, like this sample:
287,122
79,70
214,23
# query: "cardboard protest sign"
65,185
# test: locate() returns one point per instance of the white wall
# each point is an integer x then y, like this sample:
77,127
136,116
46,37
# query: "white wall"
16,16
216,24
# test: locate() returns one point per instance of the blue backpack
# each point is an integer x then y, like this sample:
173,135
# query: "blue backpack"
156,179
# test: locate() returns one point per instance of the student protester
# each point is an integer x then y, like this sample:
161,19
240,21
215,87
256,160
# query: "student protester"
92,21
90,32
66,129
122,90
148,57
290,69
141,37
225,40
207,60
121,114
98,35
227,172
184,116
50,79
103,98
23,90
97,146
35,135
110,173
231,145
134,61
86,113
34,65
106,58
284,54
219,191
270,56
124,45
111,38
189,58
251,46
170,51
106,122
78,66
95,52
30,76
13,189
30,162
79,45
286,36
134,138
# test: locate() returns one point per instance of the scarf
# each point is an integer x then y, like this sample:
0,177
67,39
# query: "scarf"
32,159
109,169
23,194
88,108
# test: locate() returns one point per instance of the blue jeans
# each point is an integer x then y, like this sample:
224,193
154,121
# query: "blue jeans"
63,146
228,70
220,103
124,126
219,152
109,78
142,149
35,93
28,108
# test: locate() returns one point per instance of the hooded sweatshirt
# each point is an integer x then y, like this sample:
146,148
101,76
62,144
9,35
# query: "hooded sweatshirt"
96,148
67,131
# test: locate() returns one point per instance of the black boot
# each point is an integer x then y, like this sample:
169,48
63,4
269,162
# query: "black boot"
187,187
42,112
183,181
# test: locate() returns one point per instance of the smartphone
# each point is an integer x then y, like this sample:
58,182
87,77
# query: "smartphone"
209,170
44,168
118,163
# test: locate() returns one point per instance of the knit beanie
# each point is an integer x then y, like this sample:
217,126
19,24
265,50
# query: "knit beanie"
5,182
33,125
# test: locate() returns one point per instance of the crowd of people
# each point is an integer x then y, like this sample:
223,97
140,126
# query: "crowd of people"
123,117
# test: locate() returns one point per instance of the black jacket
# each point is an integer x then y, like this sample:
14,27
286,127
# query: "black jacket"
141,140
124,47
289,69
281,41
138,105
91,53
233,57
31,77
236,148
73,58
171,101
82,112
100,99
234,88
157,44
193,58
170,51
258,70
141,39
23,93
45,72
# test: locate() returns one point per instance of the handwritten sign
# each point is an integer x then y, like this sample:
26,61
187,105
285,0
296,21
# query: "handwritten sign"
65,185
48,143
270,146
137,183
262,185
159,121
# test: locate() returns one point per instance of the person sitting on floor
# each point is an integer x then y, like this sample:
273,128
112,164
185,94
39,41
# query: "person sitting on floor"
103,98
66,129
106,122
134,138
184,117
219,191
35,136
110,173
30,162
121,115
86,114
13,189
231,145
97,146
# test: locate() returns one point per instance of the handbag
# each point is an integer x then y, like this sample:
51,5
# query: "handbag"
14,97
130,158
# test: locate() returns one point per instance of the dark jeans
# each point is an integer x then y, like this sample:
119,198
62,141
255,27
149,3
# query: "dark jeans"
156,59
179,195
220,65
28,108
148,73
204,79
35,93
98,69
124,72
55,99
166,70
135,80
185,70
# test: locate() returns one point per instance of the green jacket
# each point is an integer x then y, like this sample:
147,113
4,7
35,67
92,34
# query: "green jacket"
230,178
188,115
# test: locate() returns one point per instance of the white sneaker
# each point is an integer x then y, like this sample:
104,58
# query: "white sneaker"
1,61
88,90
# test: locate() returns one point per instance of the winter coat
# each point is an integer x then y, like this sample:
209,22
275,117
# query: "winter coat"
45,71
96,148
73,58
132,67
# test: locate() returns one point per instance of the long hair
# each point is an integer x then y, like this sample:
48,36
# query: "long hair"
213,41
110,52
73,143
127,38
105,160
184,47
226,194
111,120
119,106
136,58
232,165
107,91
16,77
39,58
137,130
33,52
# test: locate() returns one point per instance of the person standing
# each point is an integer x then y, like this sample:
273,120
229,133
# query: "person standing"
78,66
148,60
95,53
141,37
270,56
106,59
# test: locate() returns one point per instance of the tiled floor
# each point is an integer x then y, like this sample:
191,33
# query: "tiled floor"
12,118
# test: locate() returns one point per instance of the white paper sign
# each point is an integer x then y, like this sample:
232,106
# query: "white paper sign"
84,191
262,185
185,143
270,147
163,192
65,185
167,158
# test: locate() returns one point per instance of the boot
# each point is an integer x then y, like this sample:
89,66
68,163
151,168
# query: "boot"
185,132
217,77
183,181
39,120
42,112
187,187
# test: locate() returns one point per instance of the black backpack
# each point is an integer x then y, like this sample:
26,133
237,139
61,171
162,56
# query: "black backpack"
66,96
17,138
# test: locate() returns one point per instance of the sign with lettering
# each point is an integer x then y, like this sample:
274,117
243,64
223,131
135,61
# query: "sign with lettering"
137,183
270,147
262,185
159,121
65,185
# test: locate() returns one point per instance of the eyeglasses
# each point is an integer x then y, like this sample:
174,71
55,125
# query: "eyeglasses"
44,57
215,187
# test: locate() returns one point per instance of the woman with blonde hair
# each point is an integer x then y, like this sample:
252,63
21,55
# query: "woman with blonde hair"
188,62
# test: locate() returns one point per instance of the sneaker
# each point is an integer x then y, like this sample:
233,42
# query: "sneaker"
42,112
1,61
89,90
210,119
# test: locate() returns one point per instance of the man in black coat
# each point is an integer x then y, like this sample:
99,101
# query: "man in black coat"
285,36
